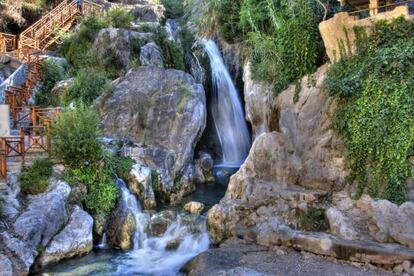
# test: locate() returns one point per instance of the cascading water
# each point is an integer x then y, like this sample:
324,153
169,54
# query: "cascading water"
227,111
151,255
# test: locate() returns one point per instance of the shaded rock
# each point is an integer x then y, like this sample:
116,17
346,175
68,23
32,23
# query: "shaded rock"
164,113
160,222
75,239
99,223
184,185
140,183
148,12
151,55
203,168
115,46
194,207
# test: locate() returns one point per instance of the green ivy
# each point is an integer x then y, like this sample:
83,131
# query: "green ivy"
375,115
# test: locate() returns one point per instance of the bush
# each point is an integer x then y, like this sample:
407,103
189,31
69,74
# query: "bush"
89,84
75,46
52,73
120,165
375,116
102,192
173,8
172,53
34,180
119,18
75,137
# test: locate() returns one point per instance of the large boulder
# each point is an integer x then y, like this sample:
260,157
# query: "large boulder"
74,240
116,46
290,173
164,113
203,168
151,55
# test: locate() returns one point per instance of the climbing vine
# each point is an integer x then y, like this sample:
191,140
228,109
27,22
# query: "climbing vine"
375,114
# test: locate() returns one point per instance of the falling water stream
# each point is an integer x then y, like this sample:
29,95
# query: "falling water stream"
227,110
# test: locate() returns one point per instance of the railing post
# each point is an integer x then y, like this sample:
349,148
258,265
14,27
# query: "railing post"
4,157
34,116
22,144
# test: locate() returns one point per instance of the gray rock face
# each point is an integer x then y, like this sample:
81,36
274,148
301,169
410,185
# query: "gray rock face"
6,268
116,45
45,215
164,113
151,55
148,12
75,239
21,255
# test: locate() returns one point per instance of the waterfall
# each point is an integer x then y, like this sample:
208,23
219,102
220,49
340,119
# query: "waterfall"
152,255
227,111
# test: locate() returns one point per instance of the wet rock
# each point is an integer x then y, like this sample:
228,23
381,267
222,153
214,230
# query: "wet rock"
121,227
151,55
140,183
74,240
164,113
160,222
256,96
183,185
194,207
115,46
203,168
6,268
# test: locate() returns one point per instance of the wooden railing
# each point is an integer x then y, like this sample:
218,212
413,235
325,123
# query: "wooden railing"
53,25
8,42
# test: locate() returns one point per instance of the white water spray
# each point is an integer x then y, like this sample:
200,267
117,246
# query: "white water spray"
227,111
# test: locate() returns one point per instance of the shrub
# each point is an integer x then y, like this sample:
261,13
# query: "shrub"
172,53
120,165
52,73
75,137
88,85
102,192
119,18
34,180
75,46
375,115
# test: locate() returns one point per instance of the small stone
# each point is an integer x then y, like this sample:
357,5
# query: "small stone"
407,266
194,207
398,269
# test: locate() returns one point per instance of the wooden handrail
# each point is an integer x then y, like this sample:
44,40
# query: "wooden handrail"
8,42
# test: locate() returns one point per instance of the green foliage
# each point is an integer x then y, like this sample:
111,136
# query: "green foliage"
282,36
75,46
375,114
313,220
173,8
89,84
172,53
34,180
227,13
75,136
120,18
52,73
120,165
102,192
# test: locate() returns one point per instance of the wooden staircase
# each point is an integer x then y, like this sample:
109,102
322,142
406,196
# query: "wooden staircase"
46,31
32,124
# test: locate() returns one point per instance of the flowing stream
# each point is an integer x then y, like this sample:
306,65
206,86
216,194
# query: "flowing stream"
227,111
151,255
